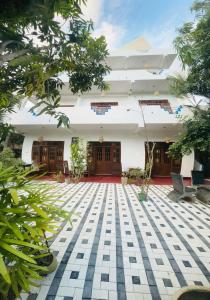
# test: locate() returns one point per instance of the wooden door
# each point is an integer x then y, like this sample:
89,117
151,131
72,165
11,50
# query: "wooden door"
49,154
51,159
163,165
106,158
103,160
44,157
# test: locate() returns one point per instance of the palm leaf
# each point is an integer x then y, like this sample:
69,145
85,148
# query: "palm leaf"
4,271
21,243
14,195
39,211
17,252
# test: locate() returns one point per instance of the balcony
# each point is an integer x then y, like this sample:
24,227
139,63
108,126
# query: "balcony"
117,115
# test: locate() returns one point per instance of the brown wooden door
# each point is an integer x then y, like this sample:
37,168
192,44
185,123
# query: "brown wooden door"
44,157
163,165
49,154
103,160
51,159
106,159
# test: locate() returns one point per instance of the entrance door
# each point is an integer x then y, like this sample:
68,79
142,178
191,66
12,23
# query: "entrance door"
49,154
163,165
51,159
105,158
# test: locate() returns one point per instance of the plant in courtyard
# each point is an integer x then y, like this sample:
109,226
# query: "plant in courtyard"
78,159
196,135
193,47
7,158
124,178
59,177
27,213
146,176
150,146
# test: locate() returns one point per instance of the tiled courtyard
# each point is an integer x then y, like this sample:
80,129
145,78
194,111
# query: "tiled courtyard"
120,249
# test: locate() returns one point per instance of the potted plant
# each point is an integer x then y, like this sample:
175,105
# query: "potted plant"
146,175
135,174
192,293
67,179
59,177
124,178
28,214
78,160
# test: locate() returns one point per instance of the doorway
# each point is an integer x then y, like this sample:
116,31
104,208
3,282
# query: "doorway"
49,154
104,158
163,165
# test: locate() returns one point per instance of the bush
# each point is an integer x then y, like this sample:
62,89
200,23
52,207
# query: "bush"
78,159
27,212
135,173
7,158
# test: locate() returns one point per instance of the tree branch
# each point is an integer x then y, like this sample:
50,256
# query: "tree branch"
10,56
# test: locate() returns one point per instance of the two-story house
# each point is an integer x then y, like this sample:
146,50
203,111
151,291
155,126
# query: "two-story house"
114,123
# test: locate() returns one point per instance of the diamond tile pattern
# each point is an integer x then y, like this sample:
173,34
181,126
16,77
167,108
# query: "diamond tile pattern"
146,250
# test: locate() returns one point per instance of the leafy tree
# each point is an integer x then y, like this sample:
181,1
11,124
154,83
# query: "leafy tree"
35,49
196,135
193,47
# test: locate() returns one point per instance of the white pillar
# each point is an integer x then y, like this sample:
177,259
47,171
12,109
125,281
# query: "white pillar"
187,165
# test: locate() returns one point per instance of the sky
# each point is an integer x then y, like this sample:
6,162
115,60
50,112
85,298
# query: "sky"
121,21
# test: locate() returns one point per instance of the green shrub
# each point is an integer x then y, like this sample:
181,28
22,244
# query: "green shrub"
135,173
7,158
78,159
27,212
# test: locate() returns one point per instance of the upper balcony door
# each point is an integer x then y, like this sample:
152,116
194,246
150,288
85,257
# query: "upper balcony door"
163,165
105,158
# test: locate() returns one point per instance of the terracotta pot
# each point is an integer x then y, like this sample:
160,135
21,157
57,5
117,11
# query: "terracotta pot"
124,180
193,293
49,262
67,180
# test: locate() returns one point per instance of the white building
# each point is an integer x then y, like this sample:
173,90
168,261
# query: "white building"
112,122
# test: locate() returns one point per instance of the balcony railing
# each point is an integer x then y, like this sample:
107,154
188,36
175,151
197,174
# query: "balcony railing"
85,115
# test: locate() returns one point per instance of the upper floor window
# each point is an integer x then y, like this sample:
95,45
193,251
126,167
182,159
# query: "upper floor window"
164,104
100,108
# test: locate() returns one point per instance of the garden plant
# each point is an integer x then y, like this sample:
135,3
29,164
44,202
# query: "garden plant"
27,215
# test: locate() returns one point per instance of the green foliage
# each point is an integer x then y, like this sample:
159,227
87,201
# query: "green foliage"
78,159
15,138
193,47
27,211
7,158
135,173
196,135
35,49
59,177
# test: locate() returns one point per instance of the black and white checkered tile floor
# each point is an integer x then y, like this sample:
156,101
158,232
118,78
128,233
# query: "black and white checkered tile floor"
121,249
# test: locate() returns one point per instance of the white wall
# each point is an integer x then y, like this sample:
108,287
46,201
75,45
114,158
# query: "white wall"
187,165
132,146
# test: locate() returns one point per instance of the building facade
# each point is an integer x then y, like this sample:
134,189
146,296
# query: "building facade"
116,123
